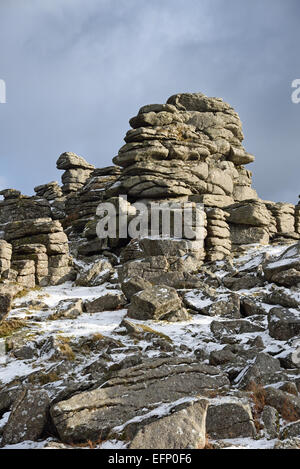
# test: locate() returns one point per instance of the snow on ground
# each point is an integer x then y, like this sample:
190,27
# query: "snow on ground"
191,335
26,445
248,443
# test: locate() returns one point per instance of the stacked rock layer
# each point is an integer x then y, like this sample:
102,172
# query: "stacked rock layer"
188,150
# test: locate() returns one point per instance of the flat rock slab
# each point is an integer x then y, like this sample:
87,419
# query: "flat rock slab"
132,392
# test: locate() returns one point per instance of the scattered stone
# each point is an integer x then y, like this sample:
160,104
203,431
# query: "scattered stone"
69,309
283,323
292,430
95,273
270,419
156,303
230,419
28,417
239,326
134,285
108,302
286,404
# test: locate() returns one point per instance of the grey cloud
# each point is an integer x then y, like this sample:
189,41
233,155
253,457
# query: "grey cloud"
77,70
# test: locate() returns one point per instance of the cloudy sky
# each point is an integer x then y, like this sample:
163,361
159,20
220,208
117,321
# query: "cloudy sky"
77,70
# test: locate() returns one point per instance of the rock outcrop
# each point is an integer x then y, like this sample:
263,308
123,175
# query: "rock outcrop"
180,328
36,243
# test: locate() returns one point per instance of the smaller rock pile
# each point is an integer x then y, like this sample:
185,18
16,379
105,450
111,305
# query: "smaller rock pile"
81,206
35,249
40,250
77,171
50,191
282,221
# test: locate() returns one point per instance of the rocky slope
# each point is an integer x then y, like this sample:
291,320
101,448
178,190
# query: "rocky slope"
152,341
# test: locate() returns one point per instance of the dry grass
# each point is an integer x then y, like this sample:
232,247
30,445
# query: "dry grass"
149,330
21,293
97,337
258,396
44,378
89,444
64,348
208,444
9,326
288,412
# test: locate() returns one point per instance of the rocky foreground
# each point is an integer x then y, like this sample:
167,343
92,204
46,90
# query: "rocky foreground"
152,341
79,369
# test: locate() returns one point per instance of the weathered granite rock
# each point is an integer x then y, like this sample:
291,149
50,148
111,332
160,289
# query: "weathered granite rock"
5,256
231,419
284,269
283,323
158,302
49,191
245,234
134,285
108,302
260,372
252,307
182,429
69,308
238,326
270,420
210,303
217,242
23,208
282,297
28,417
292,430
130,393
249,212
95,273
283,219
286,404
69,160
7,294
184,149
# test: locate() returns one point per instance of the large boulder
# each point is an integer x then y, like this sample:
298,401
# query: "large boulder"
262,371
158,302
132,393
286,404
183,429
230,419
7,294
